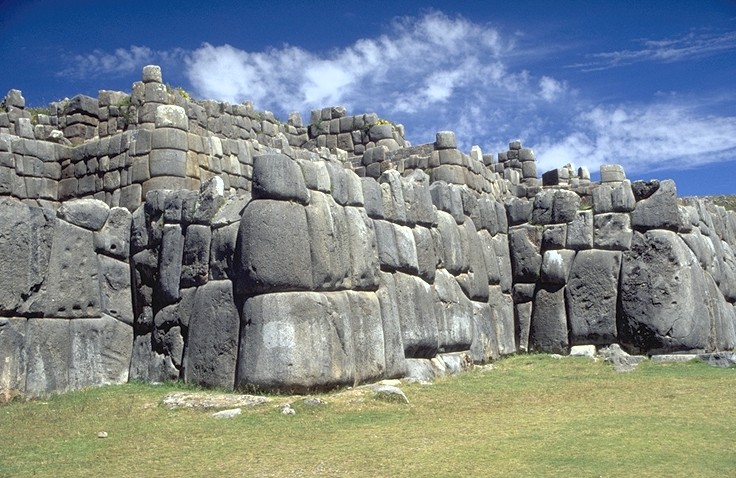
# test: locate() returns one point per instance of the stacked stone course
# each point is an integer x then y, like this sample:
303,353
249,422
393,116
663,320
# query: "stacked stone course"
161,238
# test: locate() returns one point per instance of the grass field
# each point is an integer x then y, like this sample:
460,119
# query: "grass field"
530,416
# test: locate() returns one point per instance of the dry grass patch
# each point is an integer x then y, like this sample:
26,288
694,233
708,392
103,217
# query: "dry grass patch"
530,416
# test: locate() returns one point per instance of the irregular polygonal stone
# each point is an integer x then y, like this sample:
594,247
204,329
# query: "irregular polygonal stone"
420,207
364,265
518,210
553,206
416,312
484,346
295,341
276,176
475,282
524,246
71,288
329,242
523,318
454,314
489,254
612,173
100,352
548,330
554,236
661,291
169,266
454,259
273,255
115,289
171,116
212,345
502,316
426,256
367,335
12,358
48,356
722,318
592,295
393,342
658,211
222,251
580,231
338,181
87,213
445,140
447,198
503,255
556,266
622,197
114,237
612,231
25,246
394,208
196,256
373,198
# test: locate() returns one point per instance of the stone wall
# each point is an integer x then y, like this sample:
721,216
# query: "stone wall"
154,237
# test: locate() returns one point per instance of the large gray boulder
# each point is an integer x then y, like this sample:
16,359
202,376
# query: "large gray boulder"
661,295
272,253
722,318
548,330
592,295
364,266
295,341
276,176
212,345
484,346
26,235
454,313
12,357
367,335
393,342
329,242
658,211
526,259
100,352
502,317
419,330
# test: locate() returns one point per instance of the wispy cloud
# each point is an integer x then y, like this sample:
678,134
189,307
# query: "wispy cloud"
122,61
642,138
695,44
432,72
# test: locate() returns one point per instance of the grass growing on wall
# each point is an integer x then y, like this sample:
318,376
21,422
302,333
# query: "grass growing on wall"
531,416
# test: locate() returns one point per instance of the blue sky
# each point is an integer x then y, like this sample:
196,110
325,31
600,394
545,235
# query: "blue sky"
645,84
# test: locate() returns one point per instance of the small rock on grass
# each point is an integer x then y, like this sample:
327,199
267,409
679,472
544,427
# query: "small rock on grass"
389,393
234,412
286,409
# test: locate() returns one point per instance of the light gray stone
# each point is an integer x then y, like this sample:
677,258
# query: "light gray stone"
502,316
362,242
658,211
416,313
453,312
90,214
114,237
222,252
295,341
12,358
276,176
115,289
612,231
393,341
195,256
580,231
556,265
329,243
26,236
48,357
100,352
171,116
367,336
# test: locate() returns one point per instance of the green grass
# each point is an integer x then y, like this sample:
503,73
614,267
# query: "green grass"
531,416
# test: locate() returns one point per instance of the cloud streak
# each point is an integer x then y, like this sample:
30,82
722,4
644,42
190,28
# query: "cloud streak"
668,50
122,61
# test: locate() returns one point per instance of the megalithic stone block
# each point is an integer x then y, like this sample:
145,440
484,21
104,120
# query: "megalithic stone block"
273,252
214,328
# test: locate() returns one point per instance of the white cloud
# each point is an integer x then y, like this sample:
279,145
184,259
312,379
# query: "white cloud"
642,138
551,89
696,44
120,61
426,67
